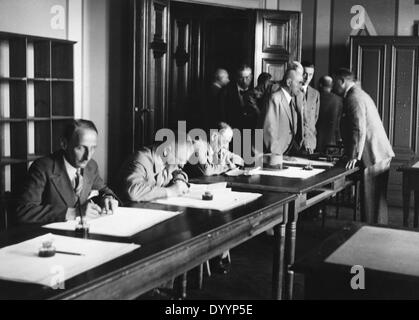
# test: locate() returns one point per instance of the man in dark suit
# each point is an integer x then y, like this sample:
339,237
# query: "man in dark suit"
328,125
57,187
366,143
214,100
239,114
279,117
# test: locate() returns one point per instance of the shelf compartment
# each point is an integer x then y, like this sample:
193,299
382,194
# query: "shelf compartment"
39,138
62,60
13,99
14,139
62,99
18,59
12,177
39,99
42,56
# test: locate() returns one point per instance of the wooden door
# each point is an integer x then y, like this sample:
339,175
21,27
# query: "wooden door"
387,68
277,41
150,73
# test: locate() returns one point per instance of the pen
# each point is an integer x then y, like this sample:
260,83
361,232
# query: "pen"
71,253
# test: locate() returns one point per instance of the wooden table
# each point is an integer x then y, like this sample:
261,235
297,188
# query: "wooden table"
389,272
410,183
168,249
308,191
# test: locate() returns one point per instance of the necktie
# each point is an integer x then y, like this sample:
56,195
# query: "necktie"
78,183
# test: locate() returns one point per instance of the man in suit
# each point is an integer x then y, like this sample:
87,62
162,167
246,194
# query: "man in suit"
57,187
155,172
308,104
366,143
328,124
215,112
214,158
239,114
279,117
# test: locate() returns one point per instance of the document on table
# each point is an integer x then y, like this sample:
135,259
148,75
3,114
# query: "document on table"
302,161
125,222
416,165
20,262
289,172
381,249
223,198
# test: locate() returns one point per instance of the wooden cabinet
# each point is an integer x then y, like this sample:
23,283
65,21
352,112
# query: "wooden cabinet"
387,68
36,101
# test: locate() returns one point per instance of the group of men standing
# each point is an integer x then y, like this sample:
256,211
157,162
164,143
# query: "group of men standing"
298,120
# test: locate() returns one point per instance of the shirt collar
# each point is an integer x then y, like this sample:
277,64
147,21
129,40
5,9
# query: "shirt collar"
287,95
349,88
71,171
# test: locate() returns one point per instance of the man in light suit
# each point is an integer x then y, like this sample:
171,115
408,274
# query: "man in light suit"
279,117
308,103
366,143
57,187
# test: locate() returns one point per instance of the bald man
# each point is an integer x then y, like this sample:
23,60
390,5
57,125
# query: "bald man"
213,102
279,119
328,125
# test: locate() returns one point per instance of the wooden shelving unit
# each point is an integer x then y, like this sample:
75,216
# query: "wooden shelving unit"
36,102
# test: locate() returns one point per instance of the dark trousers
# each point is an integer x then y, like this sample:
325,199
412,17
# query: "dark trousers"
374,181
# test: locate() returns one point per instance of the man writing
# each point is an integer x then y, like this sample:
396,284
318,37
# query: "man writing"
57,187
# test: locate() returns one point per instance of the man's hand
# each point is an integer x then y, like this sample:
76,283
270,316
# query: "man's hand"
179,188
91,210
237,160
351,164
110,204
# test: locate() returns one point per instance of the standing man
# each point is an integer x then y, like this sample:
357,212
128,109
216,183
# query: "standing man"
308,104
57,187
239,114
214,101
328,124
366,144
279,118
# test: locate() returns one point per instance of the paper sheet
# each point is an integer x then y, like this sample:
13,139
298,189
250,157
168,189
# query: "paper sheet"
302,161
125,222
416,165
223,199
20,262
380,249
290,172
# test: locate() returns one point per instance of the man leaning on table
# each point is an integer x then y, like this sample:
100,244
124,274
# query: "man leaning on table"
60,186
155,172
366,144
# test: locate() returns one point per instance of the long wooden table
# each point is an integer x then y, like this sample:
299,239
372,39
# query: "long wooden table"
309,192
168,249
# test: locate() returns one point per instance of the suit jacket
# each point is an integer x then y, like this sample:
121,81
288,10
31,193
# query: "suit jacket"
239,113
328,124
48,193
144,177
214,106
308,106
362,130
278,122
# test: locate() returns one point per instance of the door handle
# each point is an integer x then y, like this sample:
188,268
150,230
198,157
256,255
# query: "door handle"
142,110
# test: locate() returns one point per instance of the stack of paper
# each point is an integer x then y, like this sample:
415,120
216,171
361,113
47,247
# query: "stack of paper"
223,198
20,262
289,172
125,222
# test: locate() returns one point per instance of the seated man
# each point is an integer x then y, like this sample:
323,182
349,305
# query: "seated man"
155,172
214,158
57,187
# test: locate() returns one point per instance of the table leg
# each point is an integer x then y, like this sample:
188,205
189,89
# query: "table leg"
291,236
416,217
406,200
278,257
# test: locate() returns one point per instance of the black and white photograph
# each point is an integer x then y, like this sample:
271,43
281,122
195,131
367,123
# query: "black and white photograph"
209,154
